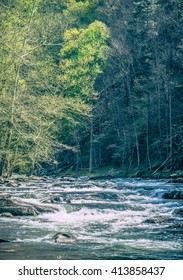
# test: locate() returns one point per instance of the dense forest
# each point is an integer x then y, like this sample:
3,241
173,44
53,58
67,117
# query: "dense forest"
91,84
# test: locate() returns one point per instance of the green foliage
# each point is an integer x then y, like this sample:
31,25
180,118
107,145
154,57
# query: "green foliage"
55,58
34,116
82,58
81,12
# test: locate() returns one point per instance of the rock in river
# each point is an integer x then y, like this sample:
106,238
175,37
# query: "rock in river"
158,220
179,211
6,214
177,194
176,180
17,207
177,226
63,237
53,199
3,240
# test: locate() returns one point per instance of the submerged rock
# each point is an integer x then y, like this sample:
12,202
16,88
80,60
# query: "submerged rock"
3,240
83,178
178,226
176,180
179,211
63,237
158,220
177,194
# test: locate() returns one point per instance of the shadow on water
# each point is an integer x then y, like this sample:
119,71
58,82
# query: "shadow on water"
84,251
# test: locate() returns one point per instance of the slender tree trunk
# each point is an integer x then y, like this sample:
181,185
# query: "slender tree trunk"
147,131
136,141
159,110
171,130
2,164
78,153
130,103
91,145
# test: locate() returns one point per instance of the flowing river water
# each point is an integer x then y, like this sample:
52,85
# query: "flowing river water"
111,219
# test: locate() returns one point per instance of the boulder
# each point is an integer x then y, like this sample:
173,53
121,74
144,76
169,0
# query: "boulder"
20,208
68,200
177,194
63,237
44,209
54,199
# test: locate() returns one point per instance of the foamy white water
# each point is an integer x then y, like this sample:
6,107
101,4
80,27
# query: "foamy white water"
111,219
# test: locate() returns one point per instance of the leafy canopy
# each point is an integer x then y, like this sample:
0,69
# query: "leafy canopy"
82,58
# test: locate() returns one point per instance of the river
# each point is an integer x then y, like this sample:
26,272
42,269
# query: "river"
111,219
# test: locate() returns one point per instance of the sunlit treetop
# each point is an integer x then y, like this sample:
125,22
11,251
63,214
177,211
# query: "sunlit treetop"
82,58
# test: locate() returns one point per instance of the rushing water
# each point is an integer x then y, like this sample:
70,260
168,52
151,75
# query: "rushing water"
108,218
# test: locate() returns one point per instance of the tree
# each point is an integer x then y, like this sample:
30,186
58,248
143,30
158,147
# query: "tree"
139,88
82,58
29,103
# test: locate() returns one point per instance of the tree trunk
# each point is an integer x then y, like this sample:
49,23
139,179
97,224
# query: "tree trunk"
147,131
171,130
91,145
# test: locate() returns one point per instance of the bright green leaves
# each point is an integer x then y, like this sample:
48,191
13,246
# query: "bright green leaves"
82,58
45,91
81,12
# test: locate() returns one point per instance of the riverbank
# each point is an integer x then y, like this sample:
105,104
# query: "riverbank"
108,172
99,173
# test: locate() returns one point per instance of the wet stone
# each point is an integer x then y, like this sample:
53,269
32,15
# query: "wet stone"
179,211
176,194
20,208
176,180
63,237
3,240
178,226
4,195
158,220
6,214
54,199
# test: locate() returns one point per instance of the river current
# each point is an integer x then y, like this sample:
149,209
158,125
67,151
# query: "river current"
111,219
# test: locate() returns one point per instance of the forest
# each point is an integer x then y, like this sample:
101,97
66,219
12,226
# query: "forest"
91,85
